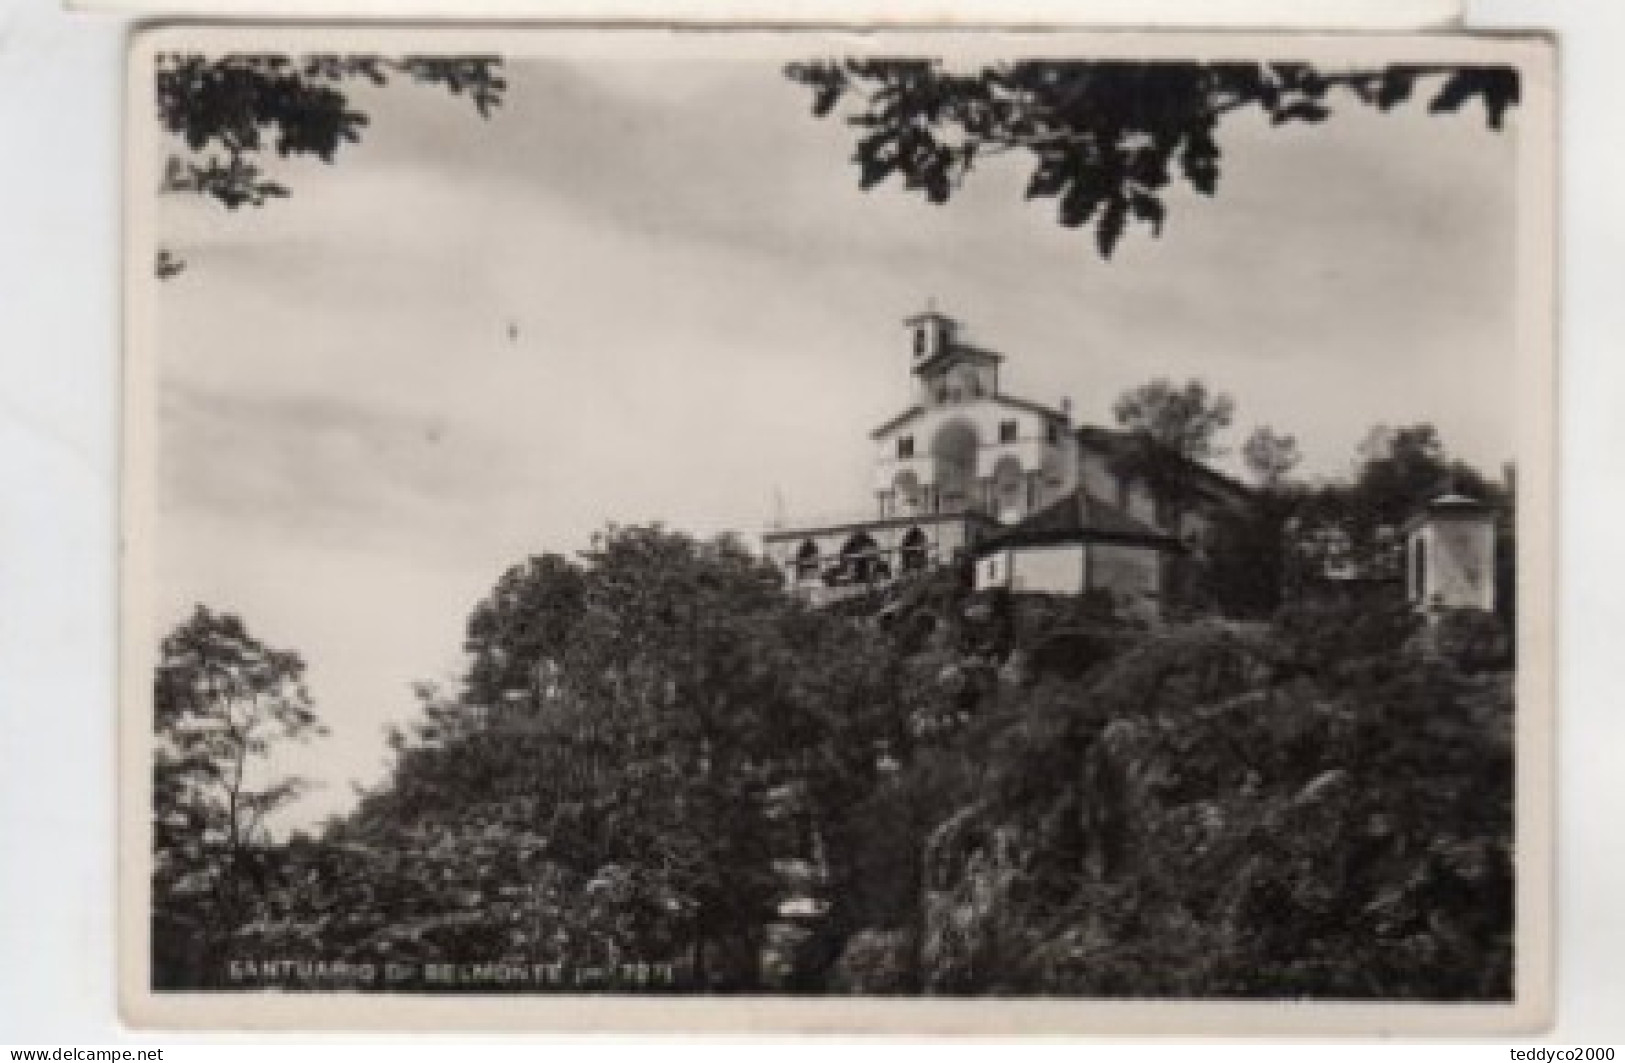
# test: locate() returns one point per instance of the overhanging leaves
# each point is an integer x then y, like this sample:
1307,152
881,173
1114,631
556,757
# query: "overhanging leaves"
1106,137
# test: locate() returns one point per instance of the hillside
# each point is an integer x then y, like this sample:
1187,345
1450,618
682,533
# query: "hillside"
662,773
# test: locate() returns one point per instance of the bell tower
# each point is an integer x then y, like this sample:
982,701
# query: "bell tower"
947,369
931,334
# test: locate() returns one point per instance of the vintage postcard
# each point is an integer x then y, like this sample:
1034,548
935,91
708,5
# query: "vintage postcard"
937,532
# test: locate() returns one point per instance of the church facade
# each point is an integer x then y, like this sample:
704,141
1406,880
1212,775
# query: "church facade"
970,471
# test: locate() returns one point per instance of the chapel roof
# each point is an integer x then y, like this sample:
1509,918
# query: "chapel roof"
1450,504
1121,443
958,350
1079,517
1003,400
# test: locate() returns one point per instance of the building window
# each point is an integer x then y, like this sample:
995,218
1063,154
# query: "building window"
915,551
861,561
905,493
807,560
1007,431
1052,433
919,341
905,447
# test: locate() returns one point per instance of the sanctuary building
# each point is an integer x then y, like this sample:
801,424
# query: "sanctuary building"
969,471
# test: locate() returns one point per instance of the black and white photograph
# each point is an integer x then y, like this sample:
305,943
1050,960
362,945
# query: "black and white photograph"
928,528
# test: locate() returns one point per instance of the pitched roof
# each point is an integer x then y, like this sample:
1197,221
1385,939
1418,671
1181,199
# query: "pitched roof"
1456,501
1031,406
1451,504
1003,400
902,418
1079,517
1117,443
956,351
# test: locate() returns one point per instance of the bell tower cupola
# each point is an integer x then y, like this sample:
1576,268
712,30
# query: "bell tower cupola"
947,369
931,334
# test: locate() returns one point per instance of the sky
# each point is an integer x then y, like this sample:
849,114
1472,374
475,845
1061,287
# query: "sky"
649,289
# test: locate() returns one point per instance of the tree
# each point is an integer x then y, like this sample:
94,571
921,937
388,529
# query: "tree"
1355,527
713,691
1271,456
516,634
226,112
643,737
1173,428
1245,569
222,700
1224,811
1199,809
1184,420
1107,139
1401,468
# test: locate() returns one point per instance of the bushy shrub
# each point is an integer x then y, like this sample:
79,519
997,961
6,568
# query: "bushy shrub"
1314,810
1471,639
980,794
875,962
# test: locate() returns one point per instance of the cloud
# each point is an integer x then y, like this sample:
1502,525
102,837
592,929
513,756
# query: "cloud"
322,468
668,149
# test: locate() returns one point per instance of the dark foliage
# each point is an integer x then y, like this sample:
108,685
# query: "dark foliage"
1106,139
658,757
229,110
1173,431
1243,570
222,702
1224,812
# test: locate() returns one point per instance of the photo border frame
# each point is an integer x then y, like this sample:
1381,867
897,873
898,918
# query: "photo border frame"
1536,695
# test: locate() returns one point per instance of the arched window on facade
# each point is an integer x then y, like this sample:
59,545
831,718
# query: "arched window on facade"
861,561
807,560
915,552
1009,491
908,494
1419,568
953,456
